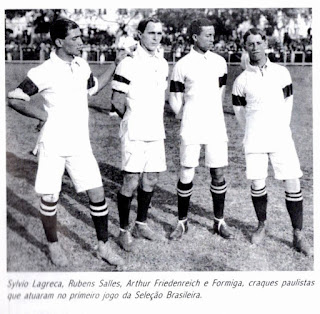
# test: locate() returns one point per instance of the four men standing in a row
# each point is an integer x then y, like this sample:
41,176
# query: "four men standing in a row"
262,98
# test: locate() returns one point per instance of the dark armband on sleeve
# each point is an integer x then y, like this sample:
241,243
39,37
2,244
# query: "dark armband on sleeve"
287,91
176,87
28,87
239,101
91,82
118,91
223,80
121,79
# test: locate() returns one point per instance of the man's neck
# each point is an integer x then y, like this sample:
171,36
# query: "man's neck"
260,63
197,49
63,56
151,53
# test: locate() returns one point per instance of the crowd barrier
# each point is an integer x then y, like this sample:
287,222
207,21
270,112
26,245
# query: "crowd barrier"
101,56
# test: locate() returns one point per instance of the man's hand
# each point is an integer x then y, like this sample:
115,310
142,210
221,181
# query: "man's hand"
121,54
40,125
18,94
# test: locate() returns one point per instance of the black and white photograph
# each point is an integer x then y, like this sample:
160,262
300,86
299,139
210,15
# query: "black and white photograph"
158,147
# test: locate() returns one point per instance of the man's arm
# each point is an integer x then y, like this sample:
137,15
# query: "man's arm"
239,102
118,100
223,81
176,102
105,77
288,96
240,115
19,101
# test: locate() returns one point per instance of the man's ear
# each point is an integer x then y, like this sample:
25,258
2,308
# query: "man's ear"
139,35
195,37
58,42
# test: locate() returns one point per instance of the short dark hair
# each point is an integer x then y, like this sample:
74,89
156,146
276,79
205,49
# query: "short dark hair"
253,31
195,27
60,28
143,23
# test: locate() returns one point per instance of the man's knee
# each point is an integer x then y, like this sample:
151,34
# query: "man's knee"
186,174
130,183
149,180
50,198
258,184
217,174
96,195
292,185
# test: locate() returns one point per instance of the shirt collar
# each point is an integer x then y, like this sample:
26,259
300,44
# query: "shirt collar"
199,55
143,53
255,68
58,60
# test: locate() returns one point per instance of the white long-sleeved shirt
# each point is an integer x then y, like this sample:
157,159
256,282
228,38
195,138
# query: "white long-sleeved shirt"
143,78
262,99
65,87
196,90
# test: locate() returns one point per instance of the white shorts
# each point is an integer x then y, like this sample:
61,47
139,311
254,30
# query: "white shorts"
83,170
285,165
140,156
216,155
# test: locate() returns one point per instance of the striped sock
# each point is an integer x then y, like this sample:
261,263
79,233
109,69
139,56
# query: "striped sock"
184,191
260,200
99,214
218,192
294,203
48,215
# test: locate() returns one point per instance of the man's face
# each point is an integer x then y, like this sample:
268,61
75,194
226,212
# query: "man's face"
151,37
255,47
72,44
204,41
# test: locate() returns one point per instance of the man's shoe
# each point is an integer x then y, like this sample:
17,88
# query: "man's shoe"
222,229
126,241
57,254
106,253
181,228
259,234
142,230
300,243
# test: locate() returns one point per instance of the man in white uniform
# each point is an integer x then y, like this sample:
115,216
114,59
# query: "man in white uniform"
262,99
196,93
64,81
139,86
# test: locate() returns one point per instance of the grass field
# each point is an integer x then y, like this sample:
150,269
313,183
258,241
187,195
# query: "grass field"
200,250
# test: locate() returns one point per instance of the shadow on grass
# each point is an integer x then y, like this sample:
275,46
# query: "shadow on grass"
18,228
28,210
162,199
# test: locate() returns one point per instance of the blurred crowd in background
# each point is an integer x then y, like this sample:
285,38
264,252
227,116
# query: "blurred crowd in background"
289,31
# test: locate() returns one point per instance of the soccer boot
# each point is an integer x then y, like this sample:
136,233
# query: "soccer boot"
180,230
142,230
222,229
300,243
126,241
106,253
57,254
259,233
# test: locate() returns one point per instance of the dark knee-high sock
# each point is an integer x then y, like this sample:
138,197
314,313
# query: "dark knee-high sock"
48,215
260,200
184,191
99,215
294,203
124,204
144,199
218,192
